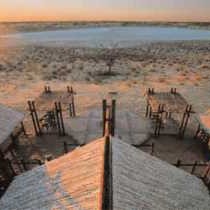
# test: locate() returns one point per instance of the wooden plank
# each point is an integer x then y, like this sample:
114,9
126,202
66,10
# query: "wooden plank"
174,103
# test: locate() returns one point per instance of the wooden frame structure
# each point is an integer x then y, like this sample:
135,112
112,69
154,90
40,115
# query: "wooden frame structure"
168,106
9,168
11,127
194,165
72,110
52,118
71,93
152,146
47,90
206,176
108,116
7,174
203,136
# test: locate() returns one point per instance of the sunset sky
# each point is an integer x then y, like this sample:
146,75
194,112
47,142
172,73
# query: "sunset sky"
139,10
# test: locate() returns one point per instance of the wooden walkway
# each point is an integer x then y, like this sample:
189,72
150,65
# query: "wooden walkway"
128,127
173,102
171,111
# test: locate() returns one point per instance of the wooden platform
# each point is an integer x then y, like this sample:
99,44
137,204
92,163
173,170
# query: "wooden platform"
129,127
46,101
171,111
173,102
203,132
169,127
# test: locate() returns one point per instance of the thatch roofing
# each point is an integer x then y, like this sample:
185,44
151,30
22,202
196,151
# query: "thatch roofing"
135,180
74,181
141,181
9,120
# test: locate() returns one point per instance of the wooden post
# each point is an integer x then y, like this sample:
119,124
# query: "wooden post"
61,119
156,125
153,148
33,118
161,118
8,172
206,176
70,110
24,165
57,118
150,112
198,131
65,146
15,159
47,89
173,91
68,89
185,120
147,109
194,167
23,129
113,115
104,105
73,104
36,117
178,164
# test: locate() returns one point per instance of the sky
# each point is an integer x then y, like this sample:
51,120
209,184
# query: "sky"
96,10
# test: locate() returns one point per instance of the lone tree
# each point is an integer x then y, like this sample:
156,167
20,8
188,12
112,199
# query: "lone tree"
111,55
110,62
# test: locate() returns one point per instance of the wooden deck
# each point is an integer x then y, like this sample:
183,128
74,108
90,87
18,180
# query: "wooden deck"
128,127
173,102
171,111
46,101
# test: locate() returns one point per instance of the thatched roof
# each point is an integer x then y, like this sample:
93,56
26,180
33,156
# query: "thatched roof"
135,179
74,181
141,181
9,119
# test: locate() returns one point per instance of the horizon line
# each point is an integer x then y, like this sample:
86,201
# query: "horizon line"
105,21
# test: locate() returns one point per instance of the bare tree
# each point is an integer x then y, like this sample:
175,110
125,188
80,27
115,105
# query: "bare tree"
111,57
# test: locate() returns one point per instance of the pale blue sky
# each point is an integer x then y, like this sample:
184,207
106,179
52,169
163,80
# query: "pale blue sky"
195,10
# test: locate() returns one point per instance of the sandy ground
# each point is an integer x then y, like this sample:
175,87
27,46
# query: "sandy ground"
185,65
25,70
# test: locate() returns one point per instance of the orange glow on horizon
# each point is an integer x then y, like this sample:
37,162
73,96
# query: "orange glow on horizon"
132,10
